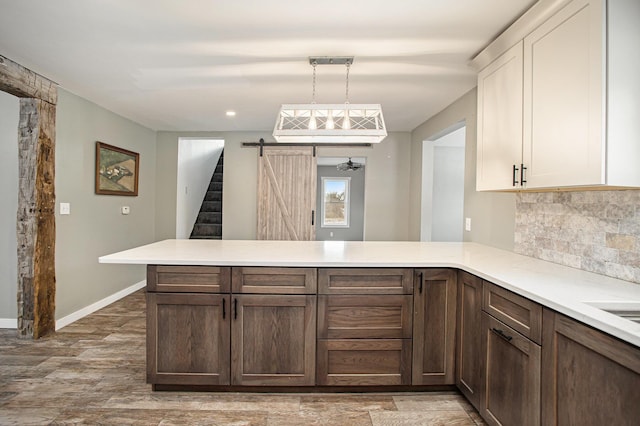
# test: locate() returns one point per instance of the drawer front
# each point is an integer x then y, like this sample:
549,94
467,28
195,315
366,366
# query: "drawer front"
363,362
274,280
188,279
365,281
364,317
517,312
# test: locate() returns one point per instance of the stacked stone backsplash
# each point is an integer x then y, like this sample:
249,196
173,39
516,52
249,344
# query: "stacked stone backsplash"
597,231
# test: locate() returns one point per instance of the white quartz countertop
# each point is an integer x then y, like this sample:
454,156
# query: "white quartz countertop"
561,288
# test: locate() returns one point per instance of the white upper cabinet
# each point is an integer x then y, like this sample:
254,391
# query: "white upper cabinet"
580,99
563,102
500,122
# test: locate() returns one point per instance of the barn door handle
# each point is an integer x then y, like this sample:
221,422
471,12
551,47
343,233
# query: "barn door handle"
224,308
501,334
313,217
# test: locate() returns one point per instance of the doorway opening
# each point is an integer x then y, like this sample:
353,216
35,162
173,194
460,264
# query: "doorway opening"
197,159
340,199
442,206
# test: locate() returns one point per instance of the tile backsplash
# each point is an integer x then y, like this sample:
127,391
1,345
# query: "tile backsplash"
597,231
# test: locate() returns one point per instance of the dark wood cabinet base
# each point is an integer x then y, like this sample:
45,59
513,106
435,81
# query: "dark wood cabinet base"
302,389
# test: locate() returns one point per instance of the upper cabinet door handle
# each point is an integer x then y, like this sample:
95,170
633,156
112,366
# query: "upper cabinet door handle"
515,174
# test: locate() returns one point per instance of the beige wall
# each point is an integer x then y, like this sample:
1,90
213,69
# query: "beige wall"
492,214
386,188
9,116
95,226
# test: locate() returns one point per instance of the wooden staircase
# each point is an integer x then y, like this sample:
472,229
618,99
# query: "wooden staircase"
208,224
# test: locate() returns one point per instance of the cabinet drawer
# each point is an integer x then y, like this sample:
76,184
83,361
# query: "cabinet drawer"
365,281
274,280
188,279
364,362
517,312
364,317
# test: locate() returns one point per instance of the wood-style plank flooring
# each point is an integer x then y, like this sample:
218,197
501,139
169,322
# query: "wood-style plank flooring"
93,372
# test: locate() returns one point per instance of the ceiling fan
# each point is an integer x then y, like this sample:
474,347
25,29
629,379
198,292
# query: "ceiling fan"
349,166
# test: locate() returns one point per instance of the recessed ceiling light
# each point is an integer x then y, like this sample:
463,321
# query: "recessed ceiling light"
231,113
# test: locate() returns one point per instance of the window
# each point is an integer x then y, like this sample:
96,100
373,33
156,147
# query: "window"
335,202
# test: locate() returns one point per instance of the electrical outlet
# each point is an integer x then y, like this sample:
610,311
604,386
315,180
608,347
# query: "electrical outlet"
467,224
65,208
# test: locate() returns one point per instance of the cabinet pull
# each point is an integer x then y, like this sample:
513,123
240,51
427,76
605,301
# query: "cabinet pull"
421,280
224,308
235,308
522,177
501,334
515,174
313,217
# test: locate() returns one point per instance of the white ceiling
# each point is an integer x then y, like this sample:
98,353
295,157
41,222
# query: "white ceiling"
179,65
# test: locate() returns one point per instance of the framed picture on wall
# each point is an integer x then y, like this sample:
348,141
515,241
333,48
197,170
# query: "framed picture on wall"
117,170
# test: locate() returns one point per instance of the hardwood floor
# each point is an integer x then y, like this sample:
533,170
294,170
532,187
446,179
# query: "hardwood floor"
93,372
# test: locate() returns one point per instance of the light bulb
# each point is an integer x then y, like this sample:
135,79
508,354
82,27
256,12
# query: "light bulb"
330,124
346,123
312,122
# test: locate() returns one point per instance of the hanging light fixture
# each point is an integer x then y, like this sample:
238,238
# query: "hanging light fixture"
330,123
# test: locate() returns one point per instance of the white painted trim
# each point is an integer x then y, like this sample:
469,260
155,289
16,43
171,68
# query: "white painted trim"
8,323
64,321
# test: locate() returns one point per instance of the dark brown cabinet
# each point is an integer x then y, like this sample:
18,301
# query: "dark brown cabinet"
468,338
511,375
364,327
188,338
511,331
195,337
188,279
274,280
588,377
273,340
434,327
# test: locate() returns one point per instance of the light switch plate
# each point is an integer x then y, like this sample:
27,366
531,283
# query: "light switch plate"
65,208
125,210
467,224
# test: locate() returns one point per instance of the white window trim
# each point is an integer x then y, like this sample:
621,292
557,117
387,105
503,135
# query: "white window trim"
347,202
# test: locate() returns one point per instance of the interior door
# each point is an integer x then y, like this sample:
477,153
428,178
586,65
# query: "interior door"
286,194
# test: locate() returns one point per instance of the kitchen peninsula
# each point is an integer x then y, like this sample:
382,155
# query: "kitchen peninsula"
233,315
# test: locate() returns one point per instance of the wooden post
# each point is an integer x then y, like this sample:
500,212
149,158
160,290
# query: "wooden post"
36,219
36,232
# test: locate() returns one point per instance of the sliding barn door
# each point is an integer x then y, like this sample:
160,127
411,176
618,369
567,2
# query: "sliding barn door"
286,194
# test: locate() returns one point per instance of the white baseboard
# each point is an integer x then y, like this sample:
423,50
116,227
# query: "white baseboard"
64,321
8,323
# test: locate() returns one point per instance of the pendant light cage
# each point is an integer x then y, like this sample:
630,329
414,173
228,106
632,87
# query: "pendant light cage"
330,123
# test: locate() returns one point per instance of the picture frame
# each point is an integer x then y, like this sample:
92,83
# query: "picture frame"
117,170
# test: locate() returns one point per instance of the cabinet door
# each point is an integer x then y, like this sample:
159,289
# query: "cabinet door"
469,333
563,98
364,362
588,377
434,327
188,339
511,376
500,122
273,340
